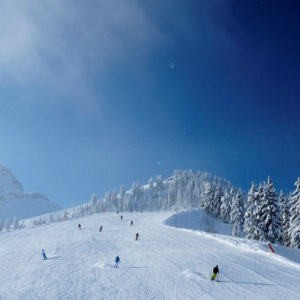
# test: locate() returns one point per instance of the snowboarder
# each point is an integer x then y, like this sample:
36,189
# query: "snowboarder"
215,272
121,218
117,261
131,223
101,227
137,236
44,254
79,226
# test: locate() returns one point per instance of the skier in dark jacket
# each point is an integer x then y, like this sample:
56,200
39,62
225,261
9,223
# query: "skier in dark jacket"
121,218
215,272
101,227
117,261
137,236
79,226
131,223
44,254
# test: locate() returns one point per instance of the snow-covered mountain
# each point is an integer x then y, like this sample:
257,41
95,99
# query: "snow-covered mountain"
14,202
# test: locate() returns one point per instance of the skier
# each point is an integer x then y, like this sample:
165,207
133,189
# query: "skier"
117,261
215,272
131,223
101,227
79,226
137,236
44,254
121,218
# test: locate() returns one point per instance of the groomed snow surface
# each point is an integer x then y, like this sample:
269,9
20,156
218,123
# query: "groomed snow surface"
166,263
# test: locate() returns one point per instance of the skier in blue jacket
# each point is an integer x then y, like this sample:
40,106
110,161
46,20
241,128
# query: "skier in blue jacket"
117,261
44,254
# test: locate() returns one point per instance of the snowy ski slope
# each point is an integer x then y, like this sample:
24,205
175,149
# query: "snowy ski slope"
166,263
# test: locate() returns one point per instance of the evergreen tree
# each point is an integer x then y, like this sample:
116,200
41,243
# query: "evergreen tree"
15,223
237,215
270,218
294,231
207,197
150,197
51,220
252,215
225,208
122,196
285,217
216,203
7,224
93,201
232,194
171,196
1,227
114,201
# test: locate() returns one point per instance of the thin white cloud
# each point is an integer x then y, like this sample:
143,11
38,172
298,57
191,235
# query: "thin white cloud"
60,45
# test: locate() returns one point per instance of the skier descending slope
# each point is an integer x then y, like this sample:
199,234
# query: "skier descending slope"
79,226
137,236
215,272
117,261
44,254
121,218
131,223
101,227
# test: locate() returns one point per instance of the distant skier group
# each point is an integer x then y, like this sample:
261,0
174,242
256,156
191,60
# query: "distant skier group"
216,270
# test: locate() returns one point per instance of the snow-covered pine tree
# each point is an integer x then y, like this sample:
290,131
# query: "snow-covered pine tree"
150,196
73,211
7,224
107,201
51,220
285,217
225,208
81,209
207,197
142,199
93,201
216,204
160,186
232,195
237,215
122,195
270,219
252,229
197,195
294,231
114,201
15,224
171,196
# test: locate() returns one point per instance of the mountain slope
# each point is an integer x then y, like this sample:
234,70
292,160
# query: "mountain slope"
166,263
15,202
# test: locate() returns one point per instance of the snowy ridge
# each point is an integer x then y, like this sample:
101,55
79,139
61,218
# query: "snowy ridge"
14,202
166,263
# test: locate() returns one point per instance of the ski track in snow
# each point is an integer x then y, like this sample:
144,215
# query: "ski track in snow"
166,263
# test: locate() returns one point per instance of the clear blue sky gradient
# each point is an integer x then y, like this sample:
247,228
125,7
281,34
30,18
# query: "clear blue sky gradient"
102,93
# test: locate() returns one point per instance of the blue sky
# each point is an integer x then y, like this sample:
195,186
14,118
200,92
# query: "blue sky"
102,93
